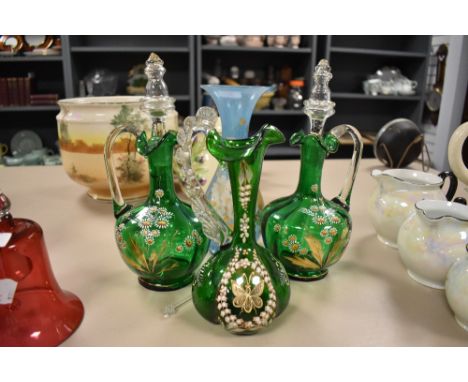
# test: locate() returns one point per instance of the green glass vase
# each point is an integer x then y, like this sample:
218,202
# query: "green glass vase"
242,286
161,241
305,231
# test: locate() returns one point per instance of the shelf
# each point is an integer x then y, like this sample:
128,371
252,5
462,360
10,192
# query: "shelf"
29,58
342,95
348,141
131,49
278,112
377,52
265,49
283,152
29,108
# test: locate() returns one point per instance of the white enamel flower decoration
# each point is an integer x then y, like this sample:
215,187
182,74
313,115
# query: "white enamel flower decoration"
244,227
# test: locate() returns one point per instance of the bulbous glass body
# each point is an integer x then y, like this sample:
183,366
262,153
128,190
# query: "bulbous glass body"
161,241
242,286
306,232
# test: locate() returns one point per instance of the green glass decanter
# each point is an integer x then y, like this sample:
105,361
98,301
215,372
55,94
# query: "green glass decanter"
161,241
305,231
242,286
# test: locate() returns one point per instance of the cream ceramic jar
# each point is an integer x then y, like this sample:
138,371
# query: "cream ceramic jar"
456,290
397,192
431,239
83,126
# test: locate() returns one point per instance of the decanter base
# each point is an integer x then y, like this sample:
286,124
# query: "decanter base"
149,284
312,276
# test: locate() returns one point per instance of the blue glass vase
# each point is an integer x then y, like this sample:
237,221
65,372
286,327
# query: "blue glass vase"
235,106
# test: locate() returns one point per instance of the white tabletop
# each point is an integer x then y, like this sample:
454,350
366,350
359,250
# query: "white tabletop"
367,298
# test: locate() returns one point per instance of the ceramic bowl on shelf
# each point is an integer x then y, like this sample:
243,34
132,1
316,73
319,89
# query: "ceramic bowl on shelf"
432,238
83,126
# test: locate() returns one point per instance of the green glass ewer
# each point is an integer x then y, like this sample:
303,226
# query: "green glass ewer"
242,286
161,241
305,231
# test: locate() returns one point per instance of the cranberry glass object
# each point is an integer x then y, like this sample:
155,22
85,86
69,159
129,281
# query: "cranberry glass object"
34,310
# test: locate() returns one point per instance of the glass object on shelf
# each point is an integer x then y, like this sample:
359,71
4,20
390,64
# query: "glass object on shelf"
242,286
101,82
305,231
295,97
234,72
34,310
278,103
389,81
161,240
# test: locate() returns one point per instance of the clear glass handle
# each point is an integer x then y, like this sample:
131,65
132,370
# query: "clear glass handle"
214,226
118,202
338,131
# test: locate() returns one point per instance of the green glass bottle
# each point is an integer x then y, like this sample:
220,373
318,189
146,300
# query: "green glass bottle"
161,241
305,231
242,286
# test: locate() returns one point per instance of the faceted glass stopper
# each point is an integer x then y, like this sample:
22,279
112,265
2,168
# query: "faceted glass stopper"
319,106
156,101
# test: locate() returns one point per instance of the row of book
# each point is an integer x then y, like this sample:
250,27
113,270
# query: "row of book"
16,91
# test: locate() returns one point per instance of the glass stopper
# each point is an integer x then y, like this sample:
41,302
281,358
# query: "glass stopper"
156,101
319,106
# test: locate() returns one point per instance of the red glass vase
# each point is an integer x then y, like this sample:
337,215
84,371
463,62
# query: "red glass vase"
34,310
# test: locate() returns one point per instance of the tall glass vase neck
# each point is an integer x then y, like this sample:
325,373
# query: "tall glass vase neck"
235,106
244,177
312,158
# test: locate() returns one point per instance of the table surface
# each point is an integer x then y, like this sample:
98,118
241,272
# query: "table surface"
366,300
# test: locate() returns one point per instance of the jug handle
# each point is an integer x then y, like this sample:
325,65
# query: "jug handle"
453,185
345,194
213,225
118,203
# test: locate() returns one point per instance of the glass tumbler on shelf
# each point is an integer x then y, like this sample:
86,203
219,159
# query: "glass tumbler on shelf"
295,96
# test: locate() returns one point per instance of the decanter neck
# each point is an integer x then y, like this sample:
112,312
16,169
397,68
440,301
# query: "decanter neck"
312,158
161,178
244,177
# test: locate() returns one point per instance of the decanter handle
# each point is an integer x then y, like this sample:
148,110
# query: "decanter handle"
345,194
118,203
213,225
